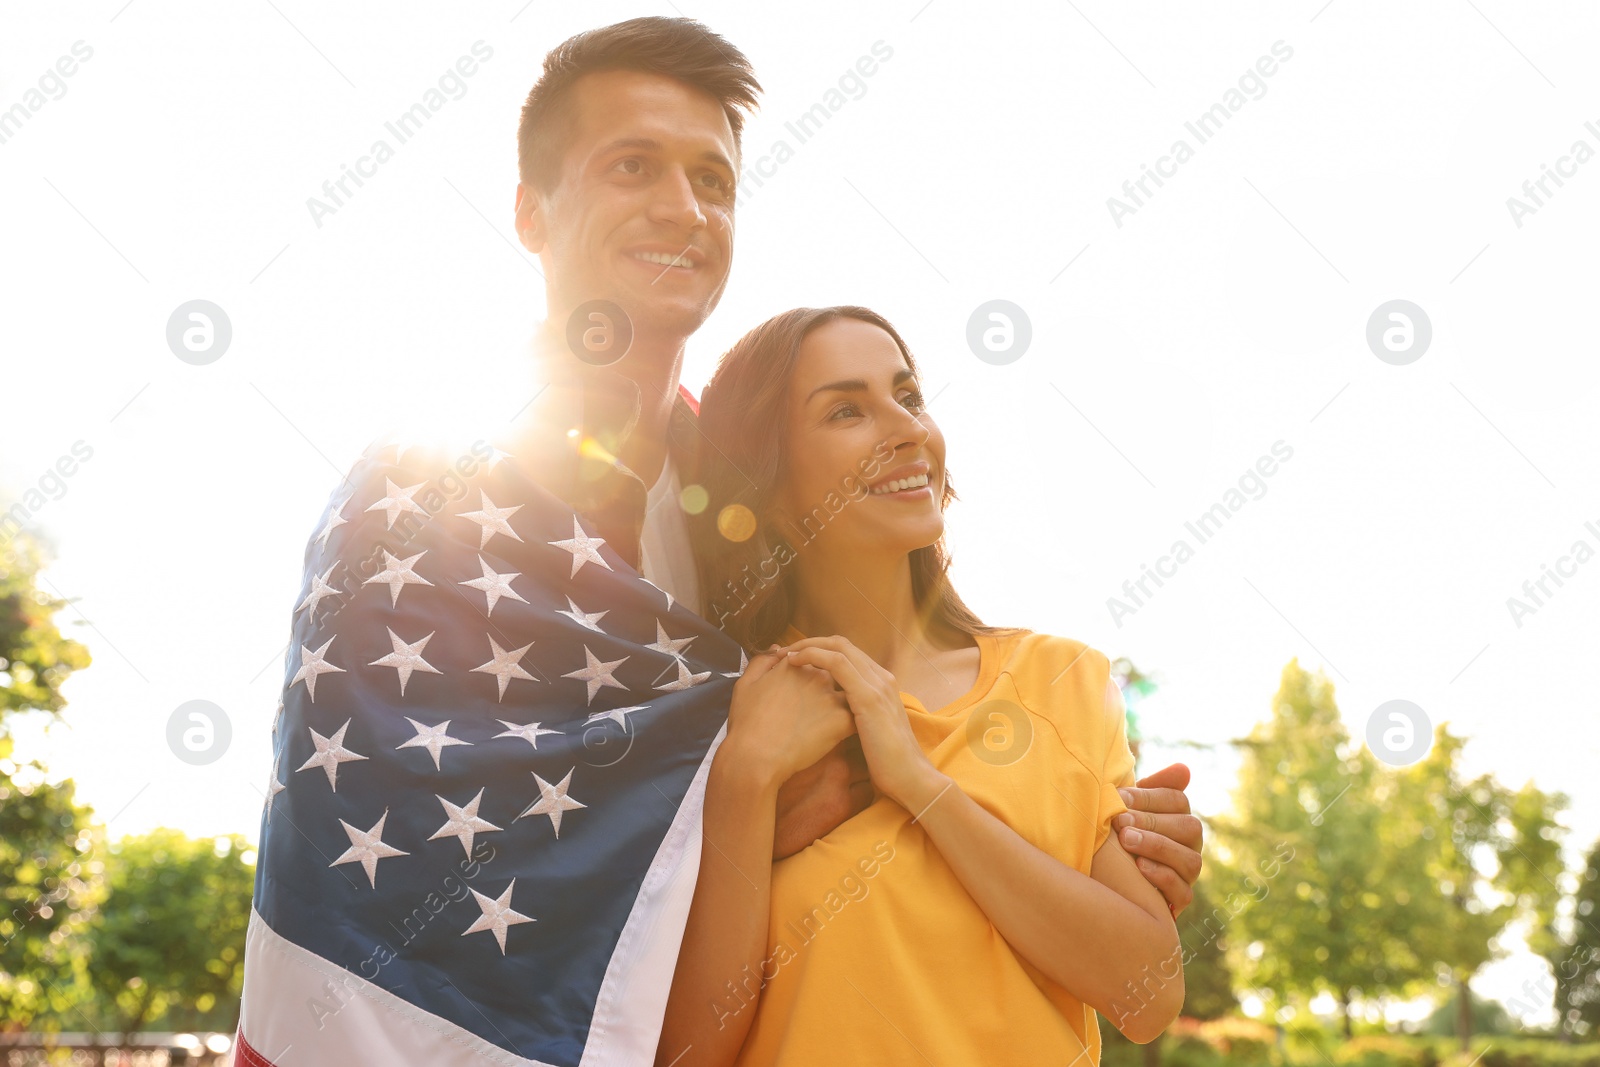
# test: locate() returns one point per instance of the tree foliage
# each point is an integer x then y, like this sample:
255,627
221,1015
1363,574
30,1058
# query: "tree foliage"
168,943
1316,803
47,888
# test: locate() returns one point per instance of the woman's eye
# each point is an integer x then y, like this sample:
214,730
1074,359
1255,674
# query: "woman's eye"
913,400
842,409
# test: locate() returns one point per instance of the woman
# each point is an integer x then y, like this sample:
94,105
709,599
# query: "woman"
979,910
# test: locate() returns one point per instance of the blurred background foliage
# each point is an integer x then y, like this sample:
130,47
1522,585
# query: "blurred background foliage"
143,933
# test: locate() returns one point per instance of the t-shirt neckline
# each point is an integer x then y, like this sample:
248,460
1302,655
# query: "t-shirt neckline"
988,671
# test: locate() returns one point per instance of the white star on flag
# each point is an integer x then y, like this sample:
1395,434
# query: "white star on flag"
367,848
529,733
495,456
274,787
335,520
406,658
684,679
584,549
669,646
658,589
553,800
432,738
495,586
597,673
312,664
463,822
497,916
493,520
330,753
398,500
616,715
319,589
505,665
582,618
744,662
397,574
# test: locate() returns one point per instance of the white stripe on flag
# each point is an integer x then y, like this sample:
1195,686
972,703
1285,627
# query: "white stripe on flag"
633,995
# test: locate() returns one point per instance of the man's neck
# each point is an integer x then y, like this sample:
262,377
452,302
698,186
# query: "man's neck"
647,375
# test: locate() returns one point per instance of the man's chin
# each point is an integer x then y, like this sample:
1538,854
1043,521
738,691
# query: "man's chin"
678,317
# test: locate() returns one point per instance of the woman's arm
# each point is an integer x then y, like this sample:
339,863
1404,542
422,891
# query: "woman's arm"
1107,937
725,939
782,717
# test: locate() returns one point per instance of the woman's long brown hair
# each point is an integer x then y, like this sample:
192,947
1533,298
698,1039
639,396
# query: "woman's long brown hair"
744,414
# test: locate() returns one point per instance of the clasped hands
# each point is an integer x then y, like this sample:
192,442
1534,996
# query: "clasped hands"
827,722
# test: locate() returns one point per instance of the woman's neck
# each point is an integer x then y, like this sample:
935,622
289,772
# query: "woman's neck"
866,599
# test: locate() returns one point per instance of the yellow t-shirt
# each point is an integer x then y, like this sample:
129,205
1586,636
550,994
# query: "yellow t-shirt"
877,954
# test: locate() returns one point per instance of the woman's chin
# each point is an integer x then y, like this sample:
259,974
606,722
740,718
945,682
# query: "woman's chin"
907,536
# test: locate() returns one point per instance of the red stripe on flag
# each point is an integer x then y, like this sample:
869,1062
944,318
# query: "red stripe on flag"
245,1056
694,405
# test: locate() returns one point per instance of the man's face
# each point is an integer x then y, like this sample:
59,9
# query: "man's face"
642,209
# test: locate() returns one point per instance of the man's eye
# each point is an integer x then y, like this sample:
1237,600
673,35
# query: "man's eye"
630,165
717,181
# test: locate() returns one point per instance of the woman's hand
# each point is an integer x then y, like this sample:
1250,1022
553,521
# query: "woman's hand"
784,717
900,769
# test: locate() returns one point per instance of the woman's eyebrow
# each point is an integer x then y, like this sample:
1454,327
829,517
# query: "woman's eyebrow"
856,385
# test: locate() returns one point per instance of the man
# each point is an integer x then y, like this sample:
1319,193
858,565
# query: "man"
361,949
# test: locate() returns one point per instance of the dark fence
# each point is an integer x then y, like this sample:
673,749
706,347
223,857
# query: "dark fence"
116,1050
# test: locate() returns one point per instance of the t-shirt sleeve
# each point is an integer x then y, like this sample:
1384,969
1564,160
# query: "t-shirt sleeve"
1117,766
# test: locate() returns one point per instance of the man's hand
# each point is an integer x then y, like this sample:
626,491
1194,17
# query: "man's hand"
819,798
1161,833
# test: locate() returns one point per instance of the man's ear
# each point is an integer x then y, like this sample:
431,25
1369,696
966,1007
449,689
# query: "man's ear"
530,217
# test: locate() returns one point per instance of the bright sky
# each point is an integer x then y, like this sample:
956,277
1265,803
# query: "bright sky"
1173,344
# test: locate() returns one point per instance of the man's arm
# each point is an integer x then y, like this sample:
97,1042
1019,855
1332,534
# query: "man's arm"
1162,835
816,800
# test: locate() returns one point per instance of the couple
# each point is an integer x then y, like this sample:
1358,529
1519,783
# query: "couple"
991,905
858,871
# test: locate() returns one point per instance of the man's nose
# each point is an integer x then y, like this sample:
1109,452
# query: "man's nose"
675,202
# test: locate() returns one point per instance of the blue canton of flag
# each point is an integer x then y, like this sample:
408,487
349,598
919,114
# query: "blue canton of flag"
482,826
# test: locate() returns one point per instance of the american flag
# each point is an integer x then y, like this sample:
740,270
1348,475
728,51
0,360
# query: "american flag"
482,826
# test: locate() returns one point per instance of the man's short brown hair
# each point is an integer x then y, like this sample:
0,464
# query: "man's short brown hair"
677,48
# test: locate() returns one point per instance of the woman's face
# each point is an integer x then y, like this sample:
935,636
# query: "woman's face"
856,427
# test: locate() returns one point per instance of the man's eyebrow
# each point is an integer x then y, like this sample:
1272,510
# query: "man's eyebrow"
650,144
856,385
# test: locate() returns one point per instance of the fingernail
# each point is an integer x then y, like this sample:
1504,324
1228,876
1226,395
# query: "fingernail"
1132,837
1126,795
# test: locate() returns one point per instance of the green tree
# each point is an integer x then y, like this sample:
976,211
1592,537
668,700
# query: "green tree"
168,943
1578,969
1203,930
1333,912
47,888
1491,853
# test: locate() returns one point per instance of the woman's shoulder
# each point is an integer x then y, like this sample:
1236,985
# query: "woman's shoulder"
1066,681
1049,659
